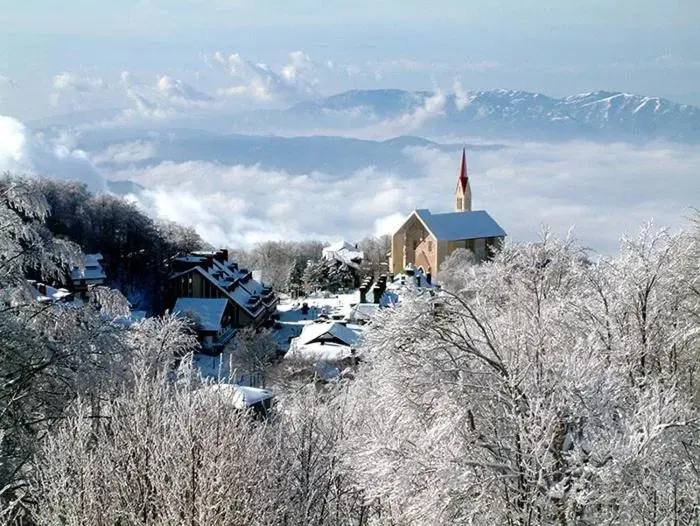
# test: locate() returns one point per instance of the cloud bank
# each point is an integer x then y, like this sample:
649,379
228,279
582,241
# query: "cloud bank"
23,152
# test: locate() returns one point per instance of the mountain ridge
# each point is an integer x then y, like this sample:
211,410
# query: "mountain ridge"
502,113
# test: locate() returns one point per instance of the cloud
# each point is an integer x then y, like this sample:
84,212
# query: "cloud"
125,153
240,205
461,96
299,64
74,90
22,152
411,121
601,190
178,93
257,82
165,99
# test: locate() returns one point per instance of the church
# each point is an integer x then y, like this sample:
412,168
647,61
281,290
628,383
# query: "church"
426,239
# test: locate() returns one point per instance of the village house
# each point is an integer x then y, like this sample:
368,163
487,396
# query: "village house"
324,341
210,275
212,319
91,273
426,239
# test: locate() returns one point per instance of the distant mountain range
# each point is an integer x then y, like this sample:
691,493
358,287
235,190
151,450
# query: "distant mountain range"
332,156
491,115
506,114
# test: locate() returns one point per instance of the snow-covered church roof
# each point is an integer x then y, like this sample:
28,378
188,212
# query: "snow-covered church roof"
453,226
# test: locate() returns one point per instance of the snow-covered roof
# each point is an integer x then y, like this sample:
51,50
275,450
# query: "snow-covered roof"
92,259
207,311
452,226
222,275
240,396
92,268
317,351
47,293
344,252
363,311
338,245
320,331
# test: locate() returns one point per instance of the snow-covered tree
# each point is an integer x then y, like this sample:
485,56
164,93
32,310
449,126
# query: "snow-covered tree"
542,389
251,352
295,278
50,353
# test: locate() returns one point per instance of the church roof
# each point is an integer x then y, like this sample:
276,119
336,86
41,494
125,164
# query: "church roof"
453,226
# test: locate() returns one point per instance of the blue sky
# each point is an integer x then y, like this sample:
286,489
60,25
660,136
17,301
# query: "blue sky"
643,46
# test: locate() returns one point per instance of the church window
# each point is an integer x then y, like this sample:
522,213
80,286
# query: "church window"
459,203
415,244
430,246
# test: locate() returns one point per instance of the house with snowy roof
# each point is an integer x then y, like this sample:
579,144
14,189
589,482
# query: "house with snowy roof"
345,253
91,272
426,239
330,346
211,318
211,275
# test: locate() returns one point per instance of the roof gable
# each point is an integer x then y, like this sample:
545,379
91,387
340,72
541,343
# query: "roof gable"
313,331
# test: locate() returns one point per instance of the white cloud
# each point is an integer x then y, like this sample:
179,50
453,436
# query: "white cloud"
433,107
125,153
22,152
165,99
259,83
179,93
299,64
75,91
461,96
256,82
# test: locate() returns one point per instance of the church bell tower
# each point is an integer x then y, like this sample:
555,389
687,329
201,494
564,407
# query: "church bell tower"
463,194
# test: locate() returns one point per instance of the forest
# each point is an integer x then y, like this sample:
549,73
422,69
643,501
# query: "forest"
547,386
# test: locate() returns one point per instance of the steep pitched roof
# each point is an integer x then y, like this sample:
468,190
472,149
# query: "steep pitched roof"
453,226
463,178
240,295
314,331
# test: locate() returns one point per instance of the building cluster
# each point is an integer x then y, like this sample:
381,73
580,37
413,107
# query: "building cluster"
219,295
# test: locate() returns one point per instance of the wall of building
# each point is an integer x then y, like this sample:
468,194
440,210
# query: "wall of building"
426,254
405,243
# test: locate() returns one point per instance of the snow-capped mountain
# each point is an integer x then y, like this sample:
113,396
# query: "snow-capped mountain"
600,115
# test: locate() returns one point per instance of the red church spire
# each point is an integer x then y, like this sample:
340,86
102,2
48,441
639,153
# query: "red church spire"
463,178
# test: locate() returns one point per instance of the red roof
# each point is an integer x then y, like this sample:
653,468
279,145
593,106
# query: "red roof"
463,178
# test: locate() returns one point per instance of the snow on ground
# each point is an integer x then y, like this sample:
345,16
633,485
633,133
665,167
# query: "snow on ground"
335,306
